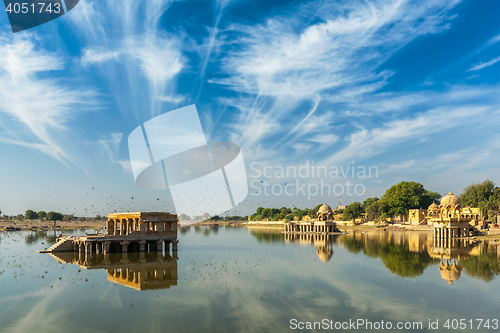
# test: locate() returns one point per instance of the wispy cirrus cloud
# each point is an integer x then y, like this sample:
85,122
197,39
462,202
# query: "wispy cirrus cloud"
310,73
92,56
110,145
147,58
480,66
32,102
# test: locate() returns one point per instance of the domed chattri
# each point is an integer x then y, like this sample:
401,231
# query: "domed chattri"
433,207
450,200
325,212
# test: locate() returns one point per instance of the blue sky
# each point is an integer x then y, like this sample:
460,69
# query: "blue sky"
408,86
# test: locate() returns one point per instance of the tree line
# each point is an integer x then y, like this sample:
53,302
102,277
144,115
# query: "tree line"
396,201
31,215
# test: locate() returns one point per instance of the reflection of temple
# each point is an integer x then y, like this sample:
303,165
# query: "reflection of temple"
450,219
324,225
127,232
451,252
323,243
450,269
140,271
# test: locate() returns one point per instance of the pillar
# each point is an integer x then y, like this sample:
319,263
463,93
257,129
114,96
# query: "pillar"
123,229
98,248
125,246
111,227
142,246
159,246
105,247
88,248
174,246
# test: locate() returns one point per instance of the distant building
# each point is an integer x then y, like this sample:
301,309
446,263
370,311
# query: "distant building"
450,219
126,232
323,225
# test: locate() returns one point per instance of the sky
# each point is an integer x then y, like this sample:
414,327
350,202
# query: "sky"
406,89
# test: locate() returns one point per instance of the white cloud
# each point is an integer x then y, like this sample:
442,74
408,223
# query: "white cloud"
42,105
480,66
329,68
111,145
92,56
160,59
325,139
176,99
494,40
366,143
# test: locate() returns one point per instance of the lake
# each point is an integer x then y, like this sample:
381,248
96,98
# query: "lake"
226,279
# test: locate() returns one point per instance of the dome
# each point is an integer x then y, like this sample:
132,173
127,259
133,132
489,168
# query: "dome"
324,255
450,199
325,209
433,206
450,273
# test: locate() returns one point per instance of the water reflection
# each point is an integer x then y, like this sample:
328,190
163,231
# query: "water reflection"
34,236
322,243
406,254
139,271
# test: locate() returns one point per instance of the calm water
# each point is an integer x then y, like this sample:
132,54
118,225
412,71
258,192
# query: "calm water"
248,280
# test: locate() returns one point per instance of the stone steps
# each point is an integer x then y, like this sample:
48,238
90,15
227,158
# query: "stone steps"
63,245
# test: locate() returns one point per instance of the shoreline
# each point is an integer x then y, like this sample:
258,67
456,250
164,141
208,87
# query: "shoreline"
49,225
362,227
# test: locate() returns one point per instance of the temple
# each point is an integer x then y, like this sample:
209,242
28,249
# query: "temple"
450,219
324,223
126,232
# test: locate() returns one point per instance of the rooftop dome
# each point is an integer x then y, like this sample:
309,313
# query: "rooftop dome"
450,199
324,255
450,273
325,209
433,206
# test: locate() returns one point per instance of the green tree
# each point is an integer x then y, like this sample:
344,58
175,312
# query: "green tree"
285,210
368,202
404,196
256,217
371,208
30,215
478,195
484,266
430,197
259,210
352,212
54,216
266,213
41,214
494,200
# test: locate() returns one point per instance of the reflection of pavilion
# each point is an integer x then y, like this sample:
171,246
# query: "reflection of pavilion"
140,271
450,269
323,243
450,252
